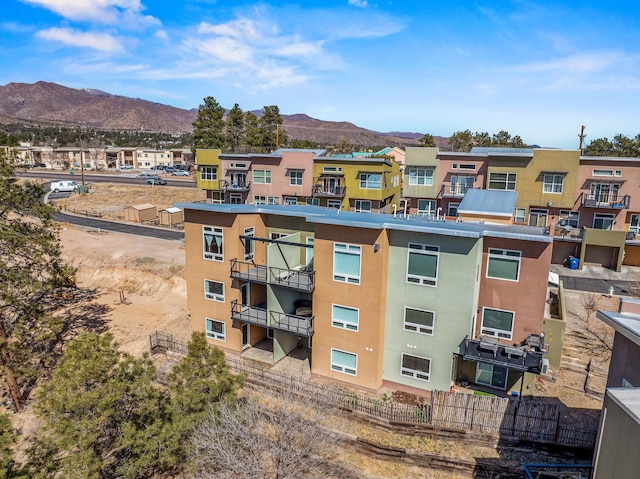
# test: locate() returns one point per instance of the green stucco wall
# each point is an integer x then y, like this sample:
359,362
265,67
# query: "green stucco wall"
454,301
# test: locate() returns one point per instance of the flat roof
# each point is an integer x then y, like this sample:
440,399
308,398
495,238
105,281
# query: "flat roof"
625,323
489,202
628,399
333,216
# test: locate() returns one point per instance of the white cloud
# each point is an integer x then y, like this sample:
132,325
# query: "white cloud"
607,70
161,34
359,3
68,36
102,11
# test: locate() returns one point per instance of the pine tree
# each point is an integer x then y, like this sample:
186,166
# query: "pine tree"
234,128
209,125
32,277
102,415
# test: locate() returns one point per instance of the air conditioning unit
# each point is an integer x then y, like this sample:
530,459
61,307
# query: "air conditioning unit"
545,367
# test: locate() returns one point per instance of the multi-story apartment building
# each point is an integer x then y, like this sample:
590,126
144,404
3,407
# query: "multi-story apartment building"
360,184
300,177
373,300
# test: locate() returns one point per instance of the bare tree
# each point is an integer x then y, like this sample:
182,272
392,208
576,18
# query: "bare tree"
599,335
273,436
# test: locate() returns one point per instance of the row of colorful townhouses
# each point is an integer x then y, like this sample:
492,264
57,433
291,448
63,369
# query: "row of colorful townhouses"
414,303
589,205
61,158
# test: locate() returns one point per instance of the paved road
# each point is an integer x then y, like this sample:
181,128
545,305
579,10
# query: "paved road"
599,285
124,178
121,227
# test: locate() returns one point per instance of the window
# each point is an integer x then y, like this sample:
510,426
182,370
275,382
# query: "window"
421,176
520,215
235,199
634,224
502,181
273,200
618,173
313,201
603,221
291,200
467,166
344,317
497,323
426,207
259,200
262,176
569,218
274,235
213,244
249,245
370,181
602,173
344,362
422,264
295,177
346,263
214,290
415,367
452,209
216,329
418,320
538,217
334,203
363,206
503,264
492,375
208,173
461,184
331,169
552,183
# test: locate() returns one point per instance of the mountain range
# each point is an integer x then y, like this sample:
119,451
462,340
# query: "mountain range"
45,103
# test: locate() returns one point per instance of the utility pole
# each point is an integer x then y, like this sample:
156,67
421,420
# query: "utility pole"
81,156
581,136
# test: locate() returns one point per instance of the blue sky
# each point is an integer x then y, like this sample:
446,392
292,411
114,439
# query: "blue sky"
536,69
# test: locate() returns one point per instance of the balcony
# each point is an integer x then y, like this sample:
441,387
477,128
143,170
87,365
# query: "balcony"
454,191
329,187
609,201
293,323
236,186
298,278
525,358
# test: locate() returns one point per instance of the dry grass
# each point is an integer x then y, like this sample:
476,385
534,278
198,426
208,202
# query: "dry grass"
110,199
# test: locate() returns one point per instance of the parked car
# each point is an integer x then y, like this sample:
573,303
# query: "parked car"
156,181
126,167
180,173
170,169
58,186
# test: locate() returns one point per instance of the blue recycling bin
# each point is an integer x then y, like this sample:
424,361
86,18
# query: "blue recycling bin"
573,262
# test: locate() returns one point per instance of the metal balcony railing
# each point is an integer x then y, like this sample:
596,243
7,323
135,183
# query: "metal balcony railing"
301,325
298,277
525,358
236,186
249,271
249,314
609,201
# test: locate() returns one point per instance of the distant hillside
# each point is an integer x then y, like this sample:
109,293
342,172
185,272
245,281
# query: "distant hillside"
52,104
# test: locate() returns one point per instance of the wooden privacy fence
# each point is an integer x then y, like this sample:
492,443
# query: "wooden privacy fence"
515,418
